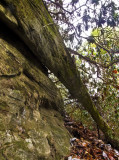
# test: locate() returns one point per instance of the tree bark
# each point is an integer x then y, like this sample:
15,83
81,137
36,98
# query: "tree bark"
30,20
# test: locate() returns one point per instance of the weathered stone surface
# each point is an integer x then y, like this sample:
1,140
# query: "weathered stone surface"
31,127
30,20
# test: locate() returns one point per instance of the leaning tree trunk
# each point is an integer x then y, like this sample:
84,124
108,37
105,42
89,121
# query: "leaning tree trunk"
30,20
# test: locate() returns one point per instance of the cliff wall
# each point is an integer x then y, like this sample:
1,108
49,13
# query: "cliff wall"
31,125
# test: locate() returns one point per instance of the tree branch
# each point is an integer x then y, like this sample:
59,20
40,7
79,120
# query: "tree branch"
57,4
91,61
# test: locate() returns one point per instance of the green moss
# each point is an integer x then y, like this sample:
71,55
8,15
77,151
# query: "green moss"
4,106
21,144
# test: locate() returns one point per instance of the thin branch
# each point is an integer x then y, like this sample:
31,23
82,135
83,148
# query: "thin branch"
48,25
113,62
83,57
57,13
57,4
91,61
61,7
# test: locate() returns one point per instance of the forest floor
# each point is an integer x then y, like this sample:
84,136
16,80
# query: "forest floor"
86,144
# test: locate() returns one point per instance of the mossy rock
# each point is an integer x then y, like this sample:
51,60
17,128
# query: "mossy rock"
31,125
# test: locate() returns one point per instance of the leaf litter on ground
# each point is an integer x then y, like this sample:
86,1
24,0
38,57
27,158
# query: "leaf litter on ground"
85,144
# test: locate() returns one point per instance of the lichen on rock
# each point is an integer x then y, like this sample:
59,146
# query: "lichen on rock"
31,125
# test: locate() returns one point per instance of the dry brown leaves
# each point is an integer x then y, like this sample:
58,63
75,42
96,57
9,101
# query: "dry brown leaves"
86,145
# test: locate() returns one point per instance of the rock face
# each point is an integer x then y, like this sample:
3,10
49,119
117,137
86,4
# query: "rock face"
31,126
